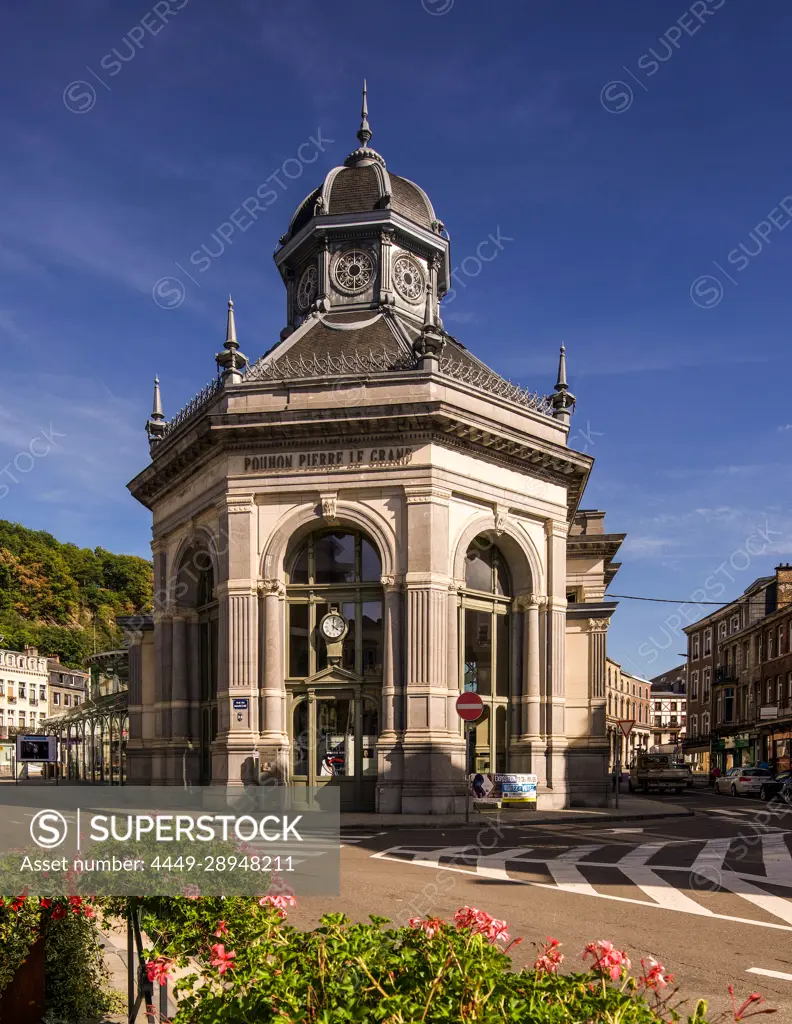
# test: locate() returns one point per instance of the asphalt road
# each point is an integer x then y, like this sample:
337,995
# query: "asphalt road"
709,896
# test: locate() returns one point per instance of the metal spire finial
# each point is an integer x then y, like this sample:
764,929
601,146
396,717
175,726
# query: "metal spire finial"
563,400
364,133
155,425
561,383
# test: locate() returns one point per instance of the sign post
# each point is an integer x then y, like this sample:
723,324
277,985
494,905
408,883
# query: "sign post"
626,726
469,707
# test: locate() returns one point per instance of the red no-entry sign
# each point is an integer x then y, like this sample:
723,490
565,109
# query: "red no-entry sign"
469,706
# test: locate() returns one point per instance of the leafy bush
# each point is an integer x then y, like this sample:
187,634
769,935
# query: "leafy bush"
75,974
253,967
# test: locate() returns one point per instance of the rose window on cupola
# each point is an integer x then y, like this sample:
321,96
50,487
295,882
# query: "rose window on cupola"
408,279
354,270
307,288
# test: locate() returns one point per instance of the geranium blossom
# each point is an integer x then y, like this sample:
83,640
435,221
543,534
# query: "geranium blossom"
431,925
654,975
159,969
220,959
222,929
607,959
549,959
280,903
481,923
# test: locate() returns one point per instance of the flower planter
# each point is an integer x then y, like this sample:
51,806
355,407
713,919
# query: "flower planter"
22,1002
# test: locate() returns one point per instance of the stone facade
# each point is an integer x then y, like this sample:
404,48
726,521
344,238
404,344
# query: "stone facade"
369,465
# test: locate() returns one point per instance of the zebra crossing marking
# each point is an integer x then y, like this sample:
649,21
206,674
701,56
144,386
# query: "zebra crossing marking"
565,870
767,973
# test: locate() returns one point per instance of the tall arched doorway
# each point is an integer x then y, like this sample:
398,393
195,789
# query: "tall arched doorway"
335,699
486,605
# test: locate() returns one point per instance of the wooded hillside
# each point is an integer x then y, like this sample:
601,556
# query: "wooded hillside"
64,599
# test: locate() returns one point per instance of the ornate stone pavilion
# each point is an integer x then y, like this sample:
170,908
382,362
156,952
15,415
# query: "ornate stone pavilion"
362,523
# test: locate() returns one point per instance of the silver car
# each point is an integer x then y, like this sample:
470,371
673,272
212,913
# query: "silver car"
742,781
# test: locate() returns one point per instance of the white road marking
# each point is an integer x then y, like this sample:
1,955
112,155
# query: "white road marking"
777,906
567,876
769,974
382,855
623,830
711,857
777,859
494,864
656,888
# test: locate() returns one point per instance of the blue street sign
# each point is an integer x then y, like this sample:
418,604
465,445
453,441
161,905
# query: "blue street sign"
240,703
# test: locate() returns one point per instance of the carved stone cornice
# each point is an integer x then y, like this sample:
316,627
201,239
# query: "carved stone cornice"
234,503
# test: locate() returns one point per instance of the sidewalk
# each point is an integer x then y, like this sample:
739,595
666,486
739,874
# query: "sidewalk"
631,808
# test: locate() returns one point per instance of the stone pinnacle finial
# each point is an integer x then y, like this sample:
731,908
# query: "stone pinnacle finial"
231,326
231,361
156,409
364,133
563,399
155,425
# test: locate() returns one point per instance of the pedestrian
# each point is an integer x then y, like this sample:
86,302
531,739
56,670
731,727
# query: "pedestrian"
615,777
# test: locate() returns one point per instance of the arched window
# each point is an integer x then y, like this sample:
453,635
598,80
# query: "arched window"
335,569
486,642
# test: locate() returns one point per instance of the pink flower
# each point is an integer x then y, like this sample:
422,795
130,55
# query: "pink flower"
481,923
280,903
654,975
549,959
754,997
159,969
607,959
222,930
431,926
220,959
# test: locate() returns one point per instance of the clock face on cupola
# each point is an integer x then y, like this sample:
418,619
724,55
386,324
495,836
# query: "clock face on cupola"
365,239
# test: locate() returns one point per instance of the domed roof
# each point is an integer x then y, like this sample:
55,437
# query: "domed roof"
363,185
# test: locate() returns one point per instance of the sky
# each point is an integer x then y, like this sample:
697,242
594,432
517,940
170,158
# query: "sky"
634,159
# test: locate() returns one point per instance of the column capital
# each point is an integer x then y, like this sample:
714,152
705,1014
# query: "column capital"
524,602
502,519
421,494
597,625
269,587
392,583
235,588
234,503
554,528
133,637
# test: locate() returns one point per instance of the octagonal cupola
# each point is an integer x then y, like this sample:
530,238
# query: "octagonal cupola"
364,239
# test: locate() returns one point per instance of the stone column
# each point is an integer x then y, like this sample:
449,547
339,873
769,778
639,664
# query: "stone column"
386,256
530,744
138,763
433,755
389,761
233,750
273,726
452,671
555,687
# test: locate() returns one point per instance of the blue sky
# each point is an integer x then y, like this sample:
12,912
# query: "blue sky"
626,150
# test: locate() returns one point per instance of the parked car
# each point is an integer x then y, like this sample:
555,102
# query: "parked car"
743,781
773,786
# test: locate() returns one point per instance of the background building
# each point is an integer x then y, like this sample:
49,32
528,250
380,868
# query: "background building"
67,687
669,720
370,476
628,698
24,681
745,714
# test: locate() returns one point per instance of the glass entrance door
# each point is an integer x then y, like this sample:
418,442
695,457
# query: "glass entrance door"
334,736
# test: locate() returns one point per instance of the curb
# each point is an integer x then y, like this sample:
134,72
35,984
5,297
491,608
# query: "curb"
537,820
